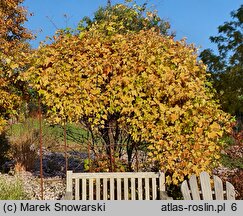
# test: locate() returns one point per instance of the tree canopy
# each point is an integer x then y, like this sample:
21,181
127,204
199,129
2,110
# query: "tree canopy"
13,37
125,18
133,88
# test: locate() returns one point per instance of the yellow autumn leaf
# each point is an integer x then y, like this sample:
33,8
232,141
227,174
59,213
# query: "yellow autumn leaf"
174,117
212,135
215,126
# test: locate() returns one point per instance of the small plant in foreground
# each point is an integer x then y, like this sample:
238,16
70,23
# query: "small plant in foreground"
12,190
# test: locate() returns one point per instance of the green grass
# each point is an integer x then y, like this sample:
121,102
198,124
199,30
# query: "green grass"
12,190
53,134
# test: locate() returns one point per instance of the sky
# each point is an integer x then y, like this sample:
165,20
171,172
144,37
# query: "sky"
195,20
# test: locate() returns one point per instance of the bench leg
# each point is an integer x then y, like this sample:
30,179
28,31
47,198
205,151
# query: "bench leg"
68,196
164,196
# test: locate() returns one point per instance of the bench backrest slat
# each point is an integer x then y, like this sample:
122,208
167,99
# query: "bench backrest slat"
230,191
194,188
185,190
140,189
126,189
119,189
83,189
133,189
105,197
91,191
206,186
112,188
218,187
146,189
154,188
77,188
97,188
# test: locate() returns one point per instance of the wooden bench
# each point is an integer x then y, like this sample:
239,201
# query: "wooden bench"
116,186
216,192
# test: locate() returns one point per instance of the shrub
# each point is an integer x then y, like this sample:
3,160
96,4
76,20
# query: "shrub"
233,154
232,158
11,190
237,181
23,151
135,88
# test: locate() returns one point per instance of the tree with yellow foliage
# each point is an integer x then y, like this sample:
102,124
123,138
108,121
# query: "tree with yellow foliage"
134,88
13,46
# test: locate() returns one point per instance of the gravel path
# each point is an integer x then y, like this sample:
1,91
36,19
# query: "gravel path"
54,175
54,187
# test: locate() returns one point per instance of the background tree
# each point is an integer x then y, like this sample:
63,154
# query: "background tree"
125,18
226,67
13,46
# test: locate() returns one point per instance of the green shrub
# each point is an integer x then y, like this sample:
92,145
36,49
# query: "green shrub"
232,156
12,190
232,162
